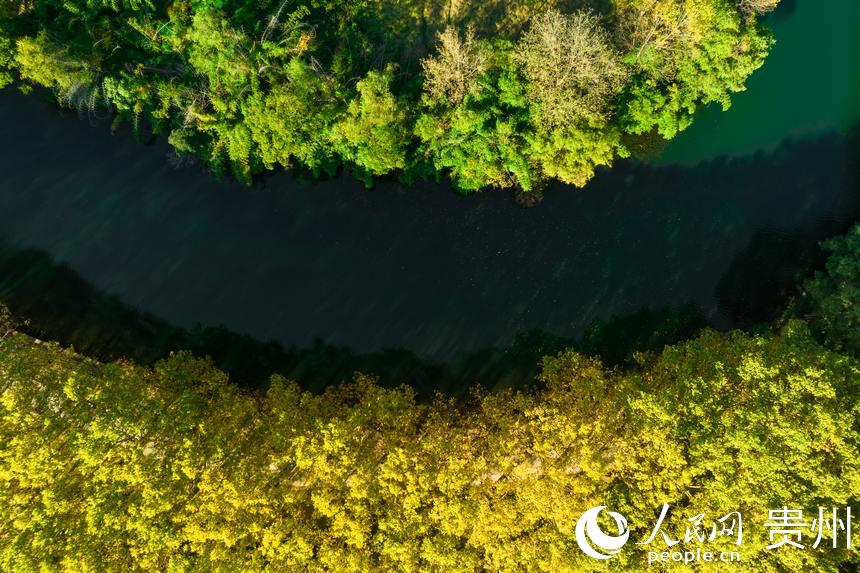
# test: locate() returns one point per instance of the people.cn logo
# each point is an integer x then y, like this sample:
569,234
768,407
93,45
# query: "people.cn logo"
593,541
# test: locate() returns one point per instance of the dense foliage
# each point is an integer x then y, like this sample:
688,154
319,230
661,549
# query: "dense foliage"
503,94
120,468
116,467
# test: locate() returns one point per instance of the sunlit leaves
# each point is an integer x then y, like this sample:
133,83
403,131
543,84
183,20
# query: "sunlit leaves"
248,87
685,53
118,468
371,133
573,71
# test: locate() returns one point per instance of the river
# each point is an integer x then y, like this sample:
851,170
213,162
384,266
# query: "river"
726,219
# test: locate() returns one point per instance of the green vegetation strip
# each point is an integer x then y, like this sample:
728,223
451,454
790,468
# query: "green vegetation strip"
506,94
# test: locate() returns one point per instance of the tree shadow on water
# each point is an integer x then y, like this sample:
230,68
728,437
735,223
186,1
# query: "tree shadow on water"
59,305
652,229
763,280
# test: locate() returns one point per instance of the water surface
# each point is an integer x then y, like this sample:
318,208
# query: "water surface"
726,220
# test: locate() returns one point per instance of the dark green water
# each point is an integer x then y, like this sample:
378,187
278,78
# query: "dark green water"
96,229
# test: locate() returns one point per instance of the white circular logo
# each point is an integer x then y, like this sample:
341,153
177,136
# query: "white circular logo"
590,537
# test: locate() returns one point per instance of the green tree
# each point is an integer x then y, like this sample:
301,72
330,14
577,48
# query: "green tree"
371,133
832,297
292,122
483,140
685,53
254,86
7,57
43,62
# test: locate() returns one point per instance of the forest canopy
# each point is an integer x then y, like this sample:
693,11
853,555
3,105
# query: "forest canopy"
491,93
121,468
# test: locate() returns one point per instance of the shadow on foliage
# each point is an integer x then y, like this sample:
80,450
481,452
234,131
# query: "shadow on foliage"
754,291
